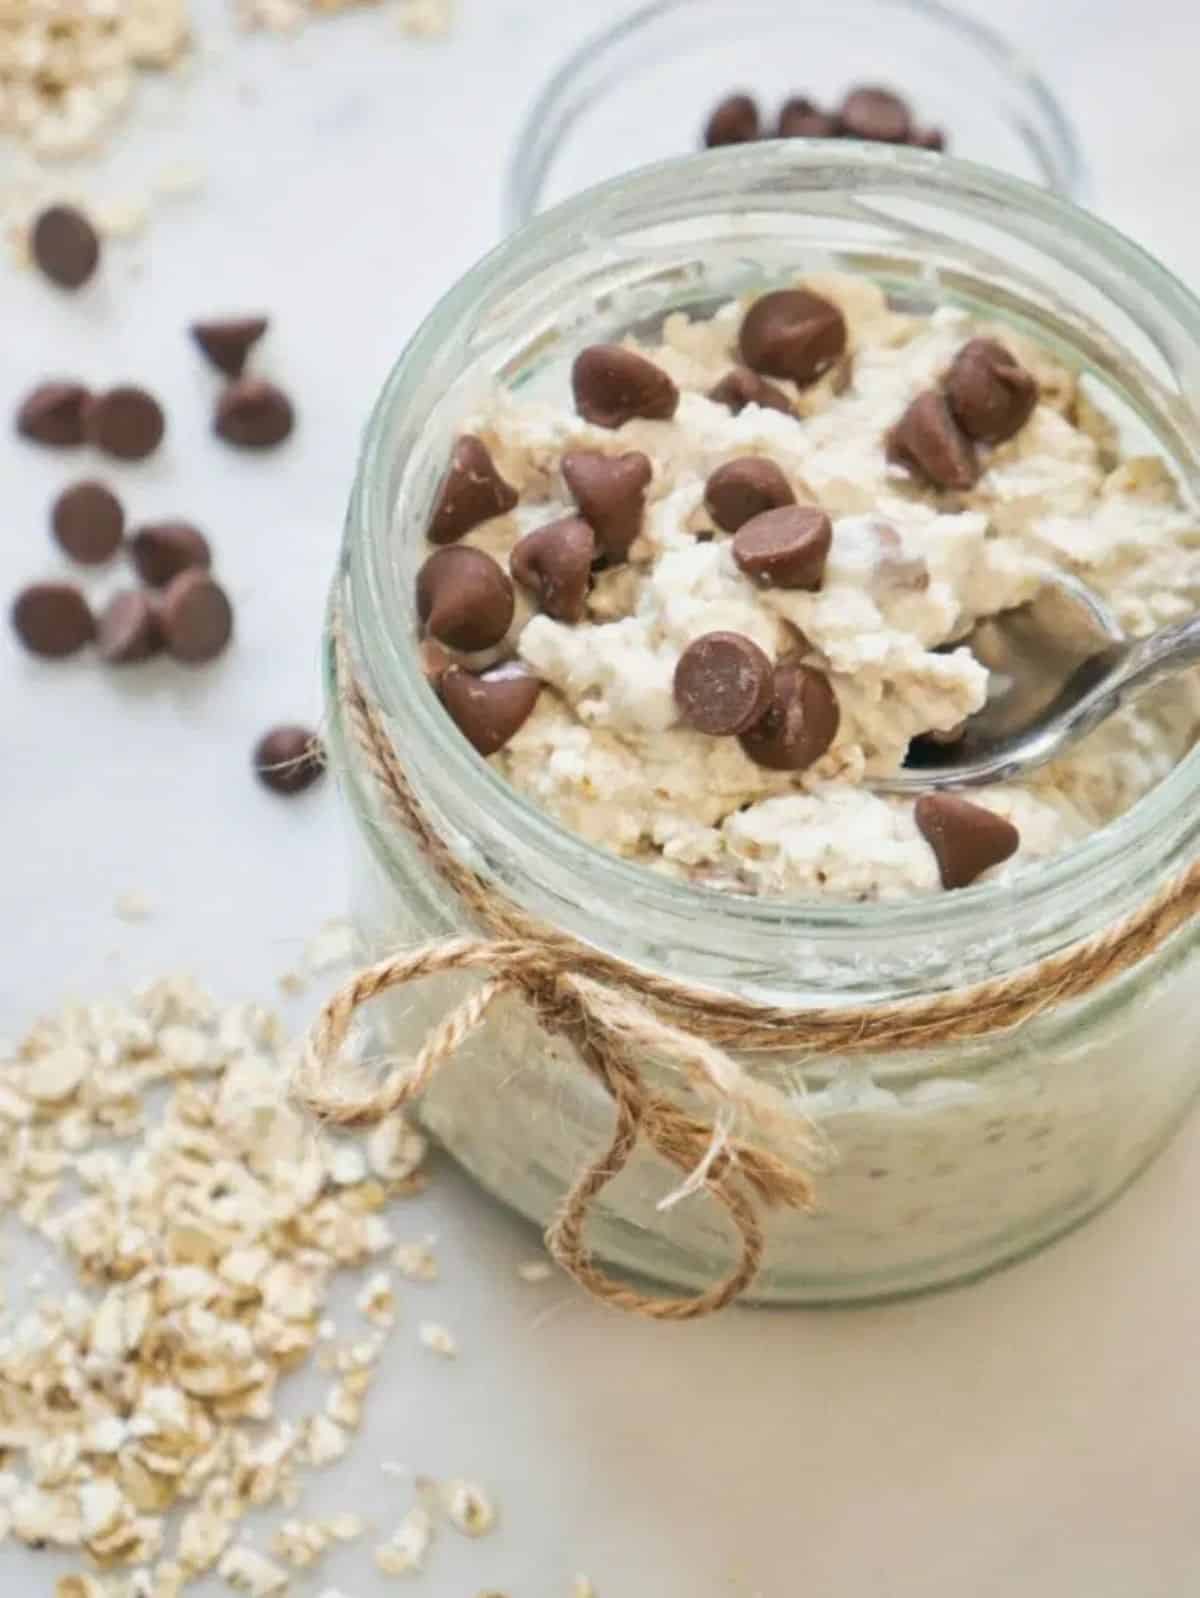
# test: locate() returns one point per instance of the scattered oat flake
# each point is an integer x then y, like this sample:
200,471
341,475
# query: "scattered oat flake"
416,1262
426,19
133,907
250,1572
535,1271
377,1301
581,1587
468,1507
406,1549
333,946
438,1339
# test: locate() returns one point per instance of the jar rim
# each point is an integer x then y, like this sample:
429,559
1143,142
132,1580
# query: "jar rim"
371,576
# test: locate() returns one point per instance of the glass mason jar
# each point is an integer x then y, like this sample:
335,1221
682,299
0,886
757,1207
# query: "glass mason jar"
947,1160
640,90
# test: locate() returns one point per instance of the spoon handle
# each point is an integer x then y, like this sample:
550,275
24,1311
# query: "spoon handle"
1148,660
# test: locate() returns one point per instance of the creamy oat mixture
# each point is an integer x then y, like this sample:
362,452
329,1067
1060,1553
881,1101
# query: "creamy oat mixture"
911,565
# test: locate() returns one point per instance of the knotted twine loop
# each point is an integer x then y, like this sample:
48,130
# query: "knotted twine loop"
615,1014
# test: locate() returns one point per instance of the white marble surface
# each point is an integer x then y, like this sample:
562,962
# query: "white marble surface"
1038,1433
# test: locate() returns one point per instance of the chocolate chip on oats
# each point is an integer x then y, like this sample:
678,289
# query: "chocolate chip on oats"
929,441
288,759
88,521
128,629
875,114
792,333
800,723
555,561
161,550
53,620
195,616
800,118
966,839
65,246
785,548
52,414
741,387
734,121
722,683
928,139
490,708
990,393
612,385
610,491
227,343
744,488
464,598
126,422
472,492
253,414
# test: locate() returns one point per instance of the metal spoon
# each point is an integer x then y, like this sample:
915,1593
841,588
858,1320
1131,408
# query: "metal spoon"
1059,666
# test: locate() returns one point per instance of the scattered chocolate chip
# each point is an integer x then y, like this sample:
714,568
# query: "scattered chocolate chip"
53,619
53,414
966,839
65,246
800,723
741,387
162,550
734,121
126,422
928,441
490,708
88,521
612,385
472,492
875,114
722,683
928,139
610,491
990,393
785,548
464,598
744,488
288,759
253,414
800,118
128,630
195,616
555,561
227,343
792,333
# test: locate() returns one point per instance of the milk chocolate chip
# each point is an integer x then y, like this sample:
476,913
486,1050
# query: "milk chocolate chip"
195,616
612,385
800,118
88,522
929,441
875,114
464,598
744,488
253,414
741,387
65,246
53,620
800,723
227,344
734,121
555,561
128,630
722,683
990,393
490,708
792,333
966,839
472,492
52,414
785,548
610,491
126,422
162,550
288,759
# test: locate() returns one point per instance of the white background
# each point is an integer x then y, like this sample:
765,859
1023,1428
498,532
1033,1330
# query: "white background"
1038,1433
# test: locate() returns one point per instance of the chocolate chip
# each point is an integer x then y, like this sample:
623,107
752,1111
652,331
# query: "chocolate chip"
555,561
744,488
801,119
793,333
612,385
928,441
734,121
53,619
610,491
162,550
990,393
800,722
88,522
875,114
490,708
53,414
464,598
227,343
741,387
966,839
288,759
195,616
722,683
126,422
253,414
928,139
472,492
785,548
65,246
128,628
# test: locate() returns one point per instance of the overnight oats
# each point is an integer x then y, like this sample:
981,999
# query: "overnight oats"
656,595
